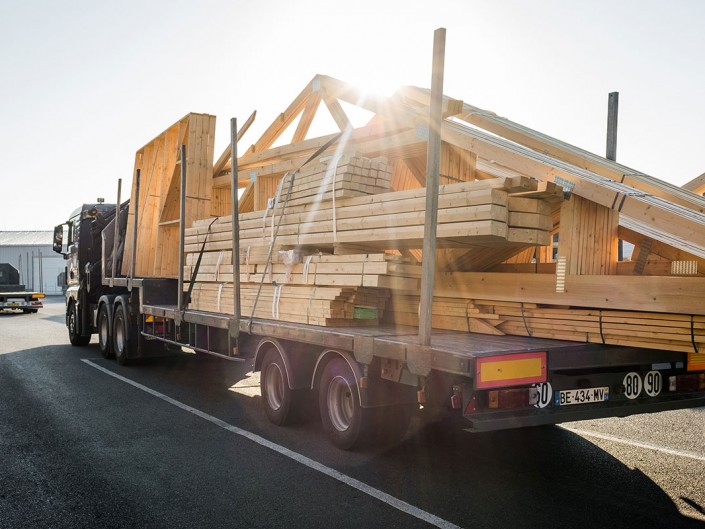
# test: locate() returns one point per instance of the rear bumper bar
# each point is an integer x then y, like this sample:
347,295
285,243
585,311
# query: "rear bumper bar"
518,418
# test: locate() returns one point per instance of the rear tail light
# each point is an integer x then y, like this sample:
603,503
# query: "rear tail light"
512,398
497,399
687,383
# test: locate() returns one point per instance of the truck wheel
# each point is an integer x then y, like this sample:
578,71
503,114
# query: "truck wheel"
105,342
122,340
277,397
75,337
347,424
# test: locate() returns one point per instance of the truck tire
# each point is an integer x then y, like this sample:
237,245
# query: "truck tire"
277,397
72,319
346,423
123,338
105,336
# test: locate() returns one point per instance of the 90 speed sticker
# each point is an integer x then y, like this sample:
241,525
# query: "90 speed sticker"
653,383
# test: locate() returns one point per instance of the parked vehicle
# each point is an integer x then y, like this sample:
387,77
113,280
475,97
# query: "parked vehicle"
13,295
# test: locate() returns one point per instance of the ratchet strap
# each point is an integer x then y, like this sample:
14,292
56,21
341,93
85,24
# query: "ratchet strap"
187,298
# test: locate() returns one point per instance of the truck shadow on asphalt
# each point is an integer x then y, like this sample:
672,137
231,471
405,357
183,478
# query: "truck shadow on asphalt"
543,477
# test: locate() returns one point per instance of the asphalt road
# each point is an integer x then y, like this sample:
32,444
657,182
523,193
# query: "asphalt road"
183,442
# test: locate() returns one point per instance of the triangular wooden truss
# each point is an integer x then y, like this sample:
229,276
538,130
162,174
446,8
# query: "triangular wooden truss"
477,144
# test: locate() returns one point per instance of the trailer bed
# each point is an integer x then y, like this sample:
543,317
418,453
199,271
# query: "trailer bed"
450,351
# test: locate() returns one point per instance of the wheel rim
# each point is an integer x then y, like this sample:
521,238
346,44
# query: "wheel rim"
340,403
72,321
119,335
274,385
103,331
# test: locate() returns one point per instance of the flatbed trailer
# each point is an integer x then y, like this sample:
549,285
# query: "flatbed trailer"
491,382
14,296
27,302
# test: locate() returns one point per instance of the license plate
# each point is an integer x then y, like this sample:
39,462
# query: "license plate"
569,397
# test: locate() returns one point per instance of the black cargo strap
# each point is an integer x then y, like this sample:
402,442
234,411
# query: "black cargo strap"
187,298
601,332
523,317
267,265
692,334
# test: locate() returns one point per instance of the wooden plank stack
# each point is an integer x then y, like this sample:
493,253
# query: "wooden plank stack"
342,177
470,214
673,332
324,288
318,305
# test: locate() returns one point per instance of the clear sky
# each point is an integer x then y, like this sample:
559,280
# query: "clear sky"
86,83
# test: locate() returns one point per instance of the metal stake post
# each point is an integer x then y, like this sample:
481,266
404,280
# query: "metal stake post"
433,169
182,230
134,230
117,232
235,323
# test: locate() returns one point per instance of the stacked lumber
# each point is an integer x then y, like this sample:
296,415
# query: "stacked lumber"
470,214
343,177
363,270
653,330
319,305
454,314
496,212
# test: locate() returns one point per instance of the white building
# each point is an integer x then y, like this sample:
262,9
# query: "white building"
31,253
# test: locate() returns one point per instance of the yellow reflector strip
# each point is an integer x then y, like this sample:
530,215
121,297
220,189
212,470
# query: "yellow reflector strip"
510,370
696,361
37,296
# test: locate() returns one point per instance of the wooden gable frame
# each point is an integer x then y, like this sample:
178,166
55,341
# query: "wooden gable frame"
671,216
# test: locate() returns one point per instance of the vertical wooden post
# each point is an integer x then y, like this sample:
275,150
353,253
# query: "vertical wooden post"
235,325
433,168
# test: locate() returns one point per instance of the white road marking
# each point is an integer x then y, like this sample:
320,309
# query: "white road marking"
315,465
647,446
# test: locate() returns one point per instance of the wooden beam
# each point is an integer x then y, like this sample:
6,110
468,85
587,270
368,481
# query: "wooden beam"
336,110
643,249
417,167
661,249
307,116
681,295
224,160
560,150
283,120
696,185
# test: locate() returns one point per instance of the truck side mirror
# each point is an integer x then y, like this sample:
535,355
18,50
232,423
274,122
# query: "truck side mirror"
58,245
